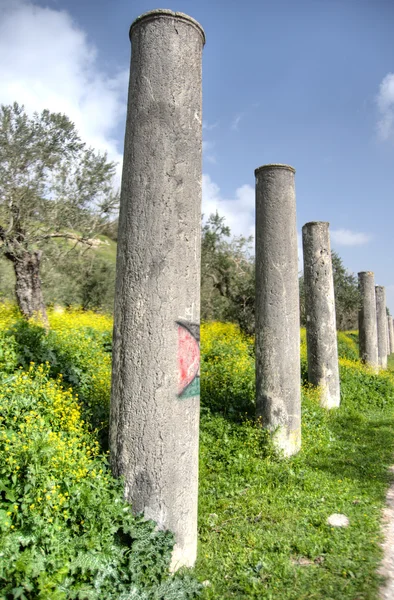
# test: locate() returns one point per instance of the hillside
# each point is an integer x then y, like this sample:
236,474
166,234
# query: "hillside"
72,276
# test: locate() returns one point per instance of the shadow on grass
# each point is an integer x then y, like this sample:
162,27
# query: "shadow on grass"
363,448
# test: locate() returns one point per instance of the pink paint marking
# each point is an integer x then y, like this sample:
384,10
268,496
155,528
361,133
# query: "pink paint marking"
188,358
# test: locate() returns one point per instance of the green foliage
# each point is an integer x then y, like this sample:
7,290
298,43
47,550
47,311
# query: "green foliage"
53,188
80,356
50,180
262,519
347,346
65,530
347,298
227,276
227,369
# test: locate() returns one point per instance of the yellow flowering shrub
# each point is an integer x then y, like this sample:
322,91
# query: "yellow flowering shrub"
67,320
9,313
77,346
65,530
227,369
348,345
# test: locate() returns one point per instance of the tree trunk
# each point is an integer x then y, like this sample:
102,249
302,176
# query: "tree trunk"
28,285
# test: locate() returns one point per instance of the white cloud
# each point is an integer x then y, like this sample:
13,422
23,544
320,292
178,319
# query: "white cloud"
346,237
207,148
47,62
236,120
209,126
385,103
239,211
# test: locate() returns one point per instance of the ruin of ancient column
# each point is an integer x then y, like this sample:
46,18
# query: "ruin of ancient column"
381,321
368,337
321,331
278,395
154,416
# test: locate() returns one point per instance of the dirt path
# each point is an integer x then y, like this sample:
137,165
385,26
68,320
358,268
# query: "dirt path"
387,566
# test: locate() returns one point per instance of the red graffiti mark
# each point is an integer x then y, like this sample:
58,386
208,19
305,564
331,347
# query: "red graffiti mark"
188,358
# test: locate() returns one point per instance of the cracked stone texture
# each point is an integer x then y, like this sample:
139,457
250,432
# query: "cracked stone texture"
367,323
321,328
153,433
278,396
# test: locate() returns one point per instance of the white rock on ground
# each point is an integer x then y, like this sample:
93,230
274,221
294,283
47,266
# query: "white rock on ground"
338,520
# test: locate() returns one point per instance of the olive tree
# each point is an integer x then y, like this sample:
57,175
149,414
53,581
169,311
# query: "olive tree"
52,187
227,275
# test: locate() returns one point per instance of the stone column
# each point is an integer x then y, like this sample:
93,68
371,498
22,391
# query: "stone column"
388,336
392,335
278,375
381,320
154,418
391,329
321,331
368,336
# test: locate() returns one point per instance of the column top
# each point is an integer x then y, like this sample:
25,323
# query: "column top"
274,166
310,223
369,273
165,12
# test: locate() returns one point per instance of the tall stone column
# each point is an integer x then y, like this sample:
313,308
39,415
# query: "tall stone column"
368,337
388,336
381,320
278,393
391,335
154,418
321,331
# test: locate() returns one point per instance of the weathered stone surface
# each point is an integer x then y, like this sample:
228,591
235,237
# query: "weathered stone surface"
154,416
278,396
321,329
381,322
368,337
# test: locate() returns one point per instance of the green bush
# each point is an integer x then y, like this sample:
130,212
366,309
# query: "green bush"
347,346
65,530
81,356
227,370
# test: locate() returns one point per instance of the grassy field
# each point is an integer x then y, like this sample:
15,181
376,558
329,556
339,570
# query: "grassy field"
262,519
263,530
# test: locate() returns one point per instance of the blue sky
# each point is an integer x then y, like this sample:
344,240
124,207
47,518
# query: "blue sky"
308,83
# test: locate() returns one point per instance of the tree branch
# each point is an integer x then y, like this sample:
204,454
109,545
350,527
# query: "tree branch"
71,236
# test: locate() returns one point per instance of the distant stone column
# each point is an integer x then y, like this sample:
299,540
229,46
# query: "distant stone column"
321,331
389,342
381,320
392,335
154,418
278,393
368,337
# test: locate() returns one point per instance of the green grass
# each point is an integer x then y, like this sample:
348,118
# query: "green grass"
262,519
262,522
